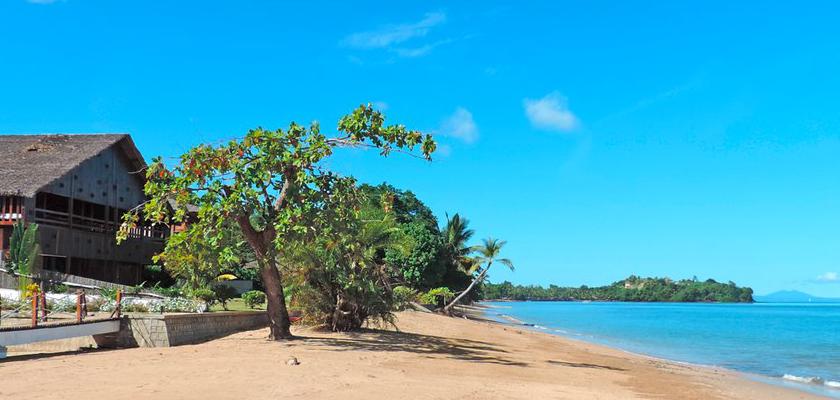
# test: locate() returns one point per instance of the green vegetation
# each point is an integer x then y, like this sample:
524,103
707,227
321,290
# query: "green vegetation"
23,252
274,185
268,209
436,295
631,289
488,253
253,298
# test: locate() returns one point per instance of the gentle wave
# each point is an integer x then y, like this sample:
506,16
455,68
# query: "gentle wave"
803,379
813,380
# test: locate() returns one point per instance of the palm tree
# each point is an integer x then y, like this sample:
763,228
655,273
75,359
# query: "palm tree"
488,252
456,234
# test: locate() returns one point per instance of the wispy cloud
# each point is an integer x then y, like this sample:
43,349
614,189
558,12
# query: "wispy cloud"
550,112
460,125
419,51
394,34
829,277
392,37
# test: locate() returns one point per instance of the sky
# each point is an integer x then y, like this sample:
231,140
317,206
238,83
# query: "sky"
600,139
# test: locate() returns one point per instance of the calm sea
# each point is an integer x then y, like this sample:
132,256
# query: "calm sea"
791,344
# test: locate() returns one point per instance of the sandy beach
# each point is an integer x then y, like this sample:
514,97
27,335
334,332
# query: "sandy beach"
430,357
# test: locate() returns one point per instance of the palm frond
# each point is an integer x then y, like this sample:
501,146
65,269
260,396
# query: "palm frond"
506,262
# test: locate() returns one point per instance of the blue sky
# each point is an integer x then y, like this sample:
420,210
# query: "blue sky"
599,138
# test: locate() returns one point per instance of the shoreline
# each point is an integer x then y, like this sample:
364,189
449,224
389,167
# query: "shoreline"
430,356
800,384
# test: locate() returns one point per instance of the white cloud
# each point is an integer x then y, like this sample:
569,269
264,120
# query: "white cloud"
460,125
550,113
380,105
394,34
829,277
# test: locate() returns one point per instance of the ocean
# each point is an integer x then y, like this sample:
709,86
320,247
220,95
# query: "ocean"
789,344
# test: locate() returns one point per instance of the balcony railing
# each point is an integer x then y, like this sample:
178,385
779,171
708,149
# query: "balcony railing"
88,224
11,209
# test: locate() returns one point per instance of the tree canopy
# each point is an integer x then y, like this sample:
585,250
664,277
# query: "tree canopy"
633,288
274,185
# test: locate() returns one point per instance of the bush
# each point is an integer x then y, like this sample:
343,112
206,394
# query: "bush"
67,304
93,303
135,307
404,295
253,298
432,296
205,295
178,304
223,293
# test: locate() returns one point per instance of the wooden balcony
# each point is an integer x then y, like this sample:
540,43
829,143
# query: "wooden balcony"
11,209
88,224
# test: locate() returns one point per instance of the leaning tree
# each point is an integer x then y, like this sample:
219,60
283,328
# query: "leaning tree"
274,186
489,251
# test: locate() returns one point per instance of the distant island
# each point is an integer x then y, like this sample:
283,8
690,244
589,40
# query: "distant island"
633,288
793,296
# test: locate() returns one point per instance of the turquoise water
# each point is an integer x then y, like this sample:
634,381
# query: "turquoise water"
801,341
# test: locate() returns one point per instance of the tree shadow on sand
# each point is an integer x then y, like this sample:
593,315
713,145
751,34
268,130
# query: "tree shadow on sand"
430,346
584,365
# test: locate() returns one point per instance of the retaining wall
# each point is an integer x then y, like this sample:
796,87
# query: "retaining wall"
152,330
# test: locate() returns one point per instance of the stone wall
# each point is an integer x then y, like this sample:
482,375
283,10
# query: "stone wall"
152,330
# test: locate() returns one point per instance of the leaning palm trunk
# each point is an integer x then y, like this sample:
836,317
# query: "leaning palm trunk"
448,308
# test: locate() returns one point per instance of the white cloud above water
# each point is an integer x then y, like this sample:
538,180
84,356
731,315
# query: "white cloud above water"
829,277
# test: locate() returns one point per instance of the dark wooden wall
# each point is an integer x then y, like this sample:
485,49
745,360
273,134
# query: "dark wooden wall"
106,179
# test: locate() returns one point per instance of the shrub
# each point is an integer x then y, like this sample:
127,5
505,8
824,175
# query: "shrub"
67,304
96,303
253,298
223,293
404,295
58,288
178,304
205,295
431,297
135,307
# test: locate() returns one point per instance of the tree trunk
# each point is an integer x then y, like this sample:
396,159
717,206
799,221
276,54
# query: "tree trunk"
448,308
278,314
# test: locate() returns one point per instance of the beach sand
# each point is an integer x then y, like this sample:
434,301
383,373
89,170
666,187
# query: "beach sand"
431,357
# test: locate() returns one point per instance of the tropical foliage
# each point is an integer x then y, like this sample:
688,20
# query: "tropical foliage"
631,289
23,252
274,185
488,253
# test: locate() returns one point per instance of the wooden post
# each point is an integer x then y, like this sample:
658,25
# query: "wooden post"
35,309
118,308
84,305
78,306
44,306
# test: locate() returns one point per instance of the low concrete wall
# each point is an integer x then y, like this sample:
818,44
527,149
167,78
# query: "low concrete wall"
151,330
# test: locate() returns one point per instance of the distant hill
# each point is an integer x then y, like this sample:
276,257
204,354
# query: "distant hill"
793,296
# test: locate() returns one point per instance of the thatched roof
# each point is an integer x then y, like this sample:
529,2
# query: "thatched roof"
30,162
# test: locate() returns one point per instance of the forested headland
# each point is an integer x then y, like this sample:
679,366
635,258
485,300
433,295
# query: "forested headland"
633,288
